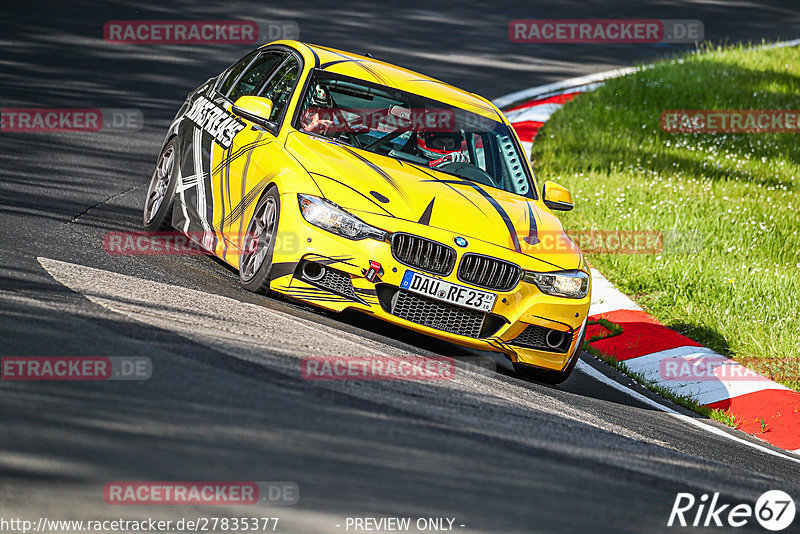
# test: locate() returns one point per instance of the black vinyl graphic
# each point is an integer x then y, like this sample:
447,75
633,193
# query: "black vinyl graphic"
248,199
353,189
243,193
224,186
533,236
380,172
231,157
496,205
435,179
426,215
316,57
360,62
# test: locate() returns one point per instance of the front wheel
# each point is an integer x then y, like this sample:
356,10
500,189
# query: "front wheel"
258,245
157,214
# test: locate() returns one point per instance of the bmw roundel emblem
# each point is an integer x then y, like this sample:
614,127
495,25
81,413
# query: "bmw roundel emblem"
460,241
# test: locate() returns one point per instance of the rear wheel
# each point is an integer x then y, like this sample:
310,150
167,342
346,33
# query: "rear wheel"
258,245
551,377
157,214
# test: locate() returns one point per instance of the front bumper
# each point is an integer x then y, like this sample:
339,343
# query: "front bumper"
518,324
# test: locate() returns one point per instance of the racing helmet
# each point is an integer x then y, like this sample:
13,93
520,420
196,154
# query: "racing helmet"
320,97
437,144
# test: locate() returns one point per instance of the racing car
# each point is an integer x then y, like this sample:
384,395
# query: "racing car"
346,182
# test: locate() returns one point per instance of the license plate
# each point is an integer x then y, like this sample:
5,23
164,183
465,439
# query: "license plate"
446,292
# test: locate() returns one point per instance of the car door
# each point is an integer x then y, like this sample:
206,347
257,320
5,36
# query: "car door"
238,172
207,131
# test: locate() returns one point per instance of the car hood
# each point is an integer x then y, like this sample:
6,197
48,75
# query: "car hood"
365,183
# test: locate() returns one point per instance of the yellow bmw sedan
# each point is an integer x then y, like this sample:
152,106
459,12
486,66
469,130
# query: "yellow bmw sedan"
347,182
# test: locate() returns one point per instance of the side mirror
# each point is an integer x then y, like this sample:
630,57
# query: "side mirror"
556,197
255,109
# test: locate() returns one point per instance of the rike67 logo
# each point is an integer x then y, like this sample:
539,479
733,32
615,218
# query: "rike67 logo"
774,511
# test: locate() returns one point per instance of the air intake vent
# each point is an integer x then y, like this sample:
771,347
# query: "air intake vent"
438,315
541,338
327,278
423,254
488,273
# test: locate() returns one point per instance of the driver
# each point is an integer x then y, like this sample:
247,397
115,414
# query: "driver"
441,147
313,118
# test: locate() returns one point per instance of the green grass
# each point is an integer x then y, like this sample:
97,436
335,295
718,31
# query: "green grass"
727,204
613,329
724,417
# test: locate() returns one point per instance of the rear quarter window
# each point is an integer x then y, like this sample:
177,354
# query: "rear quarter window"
256,74
229,77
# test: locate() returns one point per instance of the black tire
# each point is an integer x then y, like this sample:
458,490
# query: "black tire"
254,272
551,377
157,211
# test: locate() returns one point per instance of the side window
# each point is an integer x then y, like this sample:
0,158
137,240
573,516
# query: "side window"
233,72
255,75
279,88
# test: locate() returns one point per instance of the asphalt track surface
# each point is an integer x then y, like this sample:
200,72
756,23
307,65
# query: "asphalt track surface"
226,400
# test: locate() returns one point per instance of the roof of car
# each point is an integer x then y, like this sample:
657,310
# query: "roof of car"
375,71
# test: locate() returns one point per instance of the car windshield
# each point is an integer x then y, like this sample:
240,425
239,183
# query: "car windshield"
414,129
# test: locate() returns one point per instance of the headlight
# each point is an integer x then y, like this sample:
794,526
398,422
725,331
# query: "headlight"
570,284
330,217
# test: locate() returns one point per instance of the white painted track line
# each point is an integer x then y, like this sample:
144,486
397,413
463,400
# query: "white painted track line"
606,298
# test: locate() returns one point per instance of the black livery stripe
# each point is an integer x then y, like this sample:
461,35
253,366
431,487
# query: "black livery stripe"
366,292
426,215
332,63
478,104
533,235
248,199
317,294
360,62
331,261
378,76
223,186
241,151
548,319
506,219
496,205
323,295
380,172
320,299
435,179
353,189
244,181
316,57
